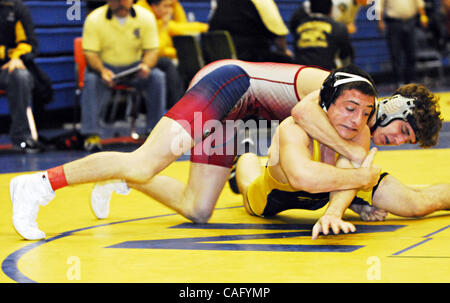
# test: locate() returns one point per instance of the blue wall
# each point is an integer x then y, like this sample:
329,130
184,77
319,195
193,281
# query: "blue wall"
55,32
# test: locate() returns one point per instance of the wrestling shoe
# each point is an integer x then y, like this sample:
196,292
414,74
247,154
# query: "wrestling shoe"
247,143
101,196
232,178
28,192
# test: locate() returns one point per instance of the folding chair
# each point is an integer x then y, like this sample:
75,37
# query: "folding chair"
217,45
119,91
190,57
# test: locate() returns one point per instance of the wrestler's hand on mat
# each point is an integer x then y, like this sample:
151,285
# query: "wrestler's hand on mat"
336,224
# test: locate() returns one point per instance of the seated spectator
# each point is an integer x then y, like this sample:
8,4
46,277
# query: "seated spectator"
346,11
163,10
172,21
18,47
116,37
179,24
319,39
256,28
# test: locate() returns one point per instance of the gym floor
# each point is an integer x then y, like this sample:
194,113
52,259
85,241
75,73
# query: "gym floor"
143,241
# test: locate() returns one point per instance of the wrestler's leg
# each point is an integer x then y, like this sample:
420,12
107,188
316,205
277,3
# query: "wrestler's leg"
211,162
401,200
167,142
248,168
211,99
216,147
197,199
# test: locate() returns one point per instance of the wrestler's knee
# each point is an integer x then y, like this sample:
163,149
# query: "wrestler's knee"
421,208
21,75
200,215
419,204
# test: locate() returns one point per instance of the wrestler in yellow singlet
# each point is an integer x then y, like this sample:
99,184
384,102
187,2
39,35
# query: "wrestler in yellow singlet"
267,196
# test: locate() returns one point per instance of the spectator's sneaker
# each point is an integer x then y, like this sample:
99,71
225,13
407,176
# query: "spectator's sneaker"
28,146
92,144
101,196
28,192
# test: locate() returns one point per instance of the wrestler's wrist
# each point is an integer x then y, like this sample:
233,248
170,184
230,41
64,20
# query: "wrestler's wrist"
357,154
364,177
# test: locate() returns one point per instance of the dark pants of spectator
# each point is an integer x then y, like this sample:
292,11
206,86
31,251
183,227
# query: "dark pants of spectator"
175,85
18,86
400,35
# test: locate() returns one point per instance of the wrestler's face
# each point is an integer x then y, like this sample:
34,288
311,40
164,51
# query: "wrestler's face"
120,8
349,113
395,133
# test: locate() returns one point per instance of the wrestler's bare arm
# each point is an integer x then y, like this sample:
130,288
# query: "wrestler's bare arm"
305,174
339,202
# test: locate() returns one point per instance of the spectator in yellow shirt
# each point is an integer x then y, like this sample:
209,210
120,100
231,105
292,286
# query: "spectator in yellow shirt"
172,21
118,36
164,11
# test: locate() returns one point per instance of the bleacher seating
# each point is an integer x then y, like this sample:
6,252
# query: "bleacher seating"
55,32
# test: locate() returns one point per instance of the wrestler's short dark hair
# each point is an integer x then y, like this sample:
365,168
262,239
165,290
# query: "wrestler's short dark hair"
426,113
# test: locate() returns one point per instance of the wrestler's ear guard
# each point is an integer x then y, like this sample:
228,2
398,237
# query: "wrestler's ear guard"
396,107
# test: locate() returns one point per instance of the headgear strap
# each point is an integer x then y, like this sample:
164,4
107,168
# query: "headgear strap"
350,78
393,108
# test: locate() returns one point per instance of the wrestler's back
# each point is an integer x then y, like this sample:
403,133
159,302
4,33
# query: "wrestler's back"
272,88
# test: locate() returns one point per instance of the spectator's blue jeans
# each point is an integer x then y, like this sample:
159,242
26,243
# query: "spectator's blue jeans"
96,93
18,86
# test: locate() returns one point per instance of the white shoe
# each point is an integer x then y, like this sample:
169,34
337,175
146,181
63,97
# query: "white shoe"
101,195
28,192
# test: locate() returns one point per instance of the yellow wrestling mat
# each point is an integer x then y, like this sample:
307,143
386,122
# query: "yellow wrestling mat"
444,103
142,241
